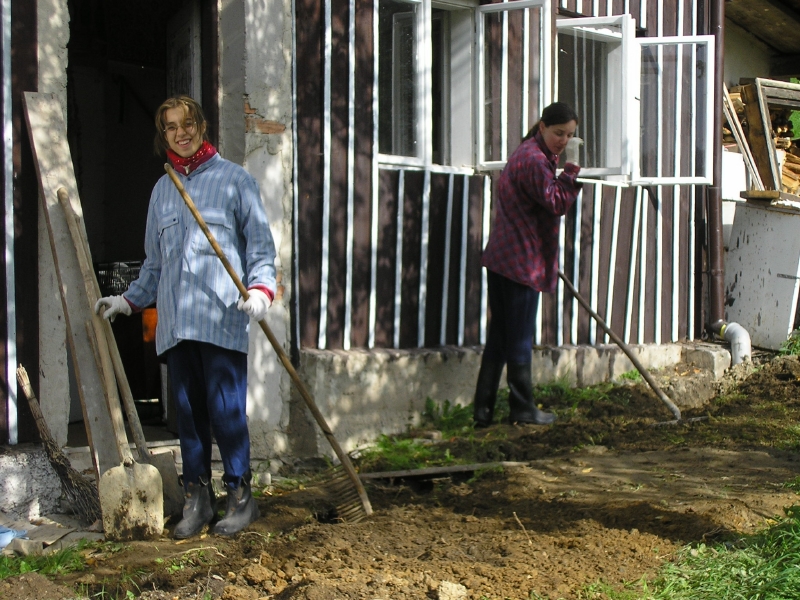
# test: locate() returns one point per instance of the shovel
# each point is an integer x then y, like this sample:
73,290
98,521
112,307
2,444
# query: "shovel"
131,495
164,462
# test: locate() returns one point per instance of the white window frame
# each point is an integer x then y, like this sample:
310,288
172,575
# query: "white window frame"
627,128
423,78
545,70
706,177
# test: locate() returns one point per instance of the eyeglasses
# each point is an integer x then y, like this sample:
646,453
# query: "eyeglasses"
188,126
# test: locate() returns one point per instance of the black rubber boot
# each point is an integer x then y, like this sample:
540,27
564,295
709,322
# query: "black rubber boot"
486,391
241,509
520,397
198,509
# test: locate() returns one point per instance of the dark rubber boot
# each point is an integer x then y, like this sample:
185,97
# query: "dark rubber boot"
198,509
520,397
241,509
486,391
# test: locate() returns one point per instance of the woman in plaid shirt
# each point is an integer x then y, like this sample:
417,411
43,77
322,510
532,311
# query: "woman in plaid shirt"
521,258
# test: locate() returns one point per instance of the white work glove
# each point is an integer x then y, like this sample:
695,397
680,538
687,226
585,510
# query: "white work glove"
572,152
256,305
113,306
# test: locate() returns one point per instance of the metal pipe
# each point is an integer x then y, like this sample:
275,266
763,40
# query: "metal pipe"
738,337
716,309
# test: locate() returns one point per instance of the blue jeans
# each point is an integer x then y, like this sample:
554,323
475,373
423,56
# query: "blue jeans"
513,320
210,388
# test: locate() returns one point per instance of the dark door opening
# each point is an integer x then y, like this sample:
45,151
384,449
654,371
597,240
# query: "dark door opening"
124,58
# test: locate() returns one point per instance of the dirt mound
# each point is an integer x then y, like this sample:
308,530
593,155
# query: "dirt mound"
604,495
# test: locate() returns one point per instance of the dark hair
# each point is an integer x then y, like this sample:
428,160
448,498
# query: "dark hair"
555,114
191,110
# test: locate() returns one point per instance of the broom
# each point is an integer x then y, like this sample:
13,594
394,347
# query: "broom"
350,507
81,493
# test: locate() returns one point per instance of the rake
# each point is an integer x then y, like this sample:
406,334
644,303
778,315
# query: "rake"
351,507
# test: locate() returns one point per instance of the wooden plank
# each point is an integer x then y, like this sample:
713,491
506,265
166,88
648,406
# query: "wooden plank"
434,471
48,134
741,141
758,137
768,195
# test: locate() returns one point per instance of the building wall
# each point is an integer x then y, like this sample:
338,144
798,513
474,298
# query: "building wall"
54,381
745,56
265,126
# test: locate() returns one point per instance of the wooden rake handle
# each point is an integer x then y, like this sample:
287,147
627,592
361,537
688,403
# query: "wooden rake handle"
284,358
109,345
624,347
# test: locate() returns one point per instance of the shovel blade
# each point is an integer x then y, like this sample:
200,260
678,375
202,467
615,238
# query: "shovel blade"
132,502
173,490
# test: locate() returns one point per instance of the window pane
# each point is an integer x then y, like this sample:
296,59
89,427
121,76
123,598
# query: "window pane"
590,69
398,84
674,81
511,54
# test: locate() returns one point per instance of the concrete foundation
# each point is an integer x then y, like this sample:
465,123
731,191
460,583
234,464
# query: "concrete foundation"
29,487
363,394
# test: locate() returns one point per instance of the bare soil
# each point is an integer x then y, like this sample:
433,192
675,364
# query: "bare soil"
604,495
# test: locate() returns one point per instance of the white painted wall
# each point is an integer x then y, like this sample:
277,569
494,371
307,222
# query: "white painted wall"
255,88
745,56
53,24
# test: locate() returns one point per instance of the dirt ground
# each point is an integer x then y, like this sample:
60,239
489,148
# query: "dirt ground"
604,495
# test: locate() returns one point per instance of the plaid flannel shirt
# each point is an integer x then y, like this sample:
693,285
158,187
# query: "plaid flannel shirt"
523,242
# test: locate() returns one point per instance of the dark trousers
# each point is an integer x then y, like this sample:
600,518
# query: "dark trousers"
513,320
210,388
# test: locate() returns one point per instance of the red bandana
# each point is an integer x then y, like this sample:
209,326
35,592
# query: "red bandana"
186,165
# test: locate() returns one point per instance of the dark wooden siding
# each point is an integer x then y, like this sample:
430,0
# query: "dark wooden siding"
310,76
24,68
362,180
648,223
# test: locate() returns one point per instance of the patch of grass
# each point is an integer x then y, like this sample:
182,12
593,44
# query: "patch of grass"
792,439
762,566
633,375
64,561
791,347
392,453
450,419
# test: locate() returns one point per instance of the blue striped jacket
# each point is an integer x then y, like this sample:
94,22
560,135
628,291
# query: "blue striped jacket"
194,295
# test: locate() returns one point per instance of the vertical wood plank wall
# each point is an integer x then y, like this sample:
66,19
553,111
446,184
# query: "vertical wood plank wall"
638,248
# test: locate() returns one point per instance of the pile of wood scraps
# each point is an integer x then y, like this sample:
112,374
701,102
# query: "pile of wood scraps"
759,118
790,173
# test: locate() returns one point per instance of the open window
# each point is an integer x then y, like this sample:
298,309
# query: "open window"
645,104
425,82
593,62
512,65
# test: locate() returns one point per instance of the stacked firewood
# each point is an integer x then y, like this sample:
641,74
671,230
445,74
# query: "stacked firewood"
782,136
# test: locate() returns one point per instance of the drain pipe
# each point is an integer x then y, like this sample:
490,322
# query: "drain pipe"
733,333
738,338
714,192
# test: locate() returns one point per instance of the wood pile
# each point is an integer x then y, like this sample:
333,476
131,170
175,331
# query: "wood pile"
765,114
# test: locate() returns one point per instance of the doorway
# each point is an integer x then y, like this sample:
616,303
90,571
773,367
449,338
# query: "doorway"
124,59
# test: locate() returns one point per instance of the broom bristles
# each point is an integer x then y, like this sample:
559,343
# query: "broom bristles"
81,493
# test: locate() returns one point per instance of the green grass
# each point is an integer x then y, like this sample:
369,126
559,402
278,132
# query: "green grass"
633,375
393,453
764,566
791,347
64,561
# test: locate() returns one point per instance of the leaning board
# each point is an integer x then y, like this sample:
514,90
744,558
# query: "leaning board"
48,134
